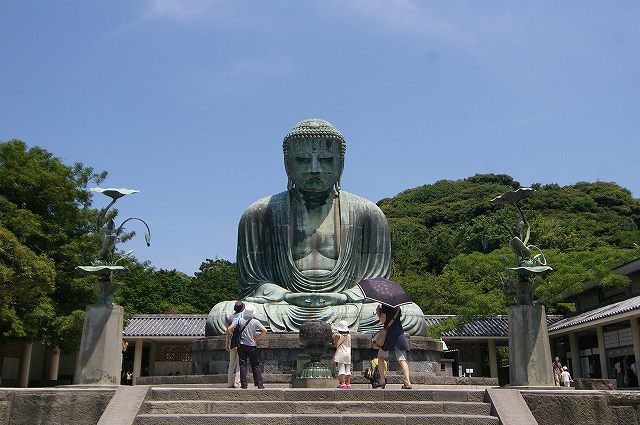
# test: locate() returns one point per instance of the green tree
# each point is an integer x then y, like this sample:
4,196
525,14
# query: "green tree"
449,246
26,280
146,290
216,281
45,204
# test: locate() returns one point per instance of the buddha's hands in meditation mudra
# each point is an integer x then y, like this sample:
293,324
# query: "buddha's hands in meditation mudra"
271,293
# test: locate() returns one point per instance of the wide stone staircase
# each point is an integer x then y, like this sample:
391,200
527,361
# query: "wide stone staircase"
221,406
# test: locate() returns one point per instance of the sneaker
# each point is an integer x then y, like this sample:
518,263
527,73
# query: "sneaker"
347,386
261,387
341,386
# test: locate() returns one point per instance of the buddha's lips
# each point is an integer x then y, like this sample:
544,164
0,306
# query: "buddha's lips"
314,182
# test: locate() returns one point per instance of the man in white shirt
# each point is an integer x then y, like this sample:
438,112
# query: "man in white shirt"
233,373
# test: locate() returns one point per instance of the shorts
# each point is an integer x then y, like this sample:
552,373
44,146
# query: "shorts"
401,355
344,369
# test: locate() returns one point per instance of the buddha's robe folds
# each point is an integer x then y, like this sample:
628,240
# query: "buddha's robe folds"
268,275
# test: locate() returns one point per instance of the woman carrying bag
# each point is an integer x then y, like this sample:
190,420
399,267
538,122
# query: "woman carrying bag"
395,341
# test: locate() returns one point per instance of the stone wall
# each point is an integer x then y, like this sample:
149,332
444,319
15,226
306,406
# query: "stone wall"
279,354
584,407
53,406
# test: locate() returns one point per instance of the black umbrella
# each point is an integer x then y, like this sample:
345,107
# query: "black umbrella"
384,291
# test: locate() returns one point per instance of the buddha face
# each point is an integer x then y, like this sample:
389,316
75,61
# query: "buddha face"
314,165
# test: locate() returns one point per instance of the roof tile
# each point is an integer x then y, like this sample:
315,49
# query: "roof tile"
166,325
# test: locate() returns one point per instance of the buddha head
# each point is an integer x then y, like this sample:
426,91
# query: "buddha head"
314,156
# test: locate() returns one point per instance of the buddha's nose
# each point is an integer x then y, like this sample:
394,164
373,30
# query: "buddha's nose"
315,164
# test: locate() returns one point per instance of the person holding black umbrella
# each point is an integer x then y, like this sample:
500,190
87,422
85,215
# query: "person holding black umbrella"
395,341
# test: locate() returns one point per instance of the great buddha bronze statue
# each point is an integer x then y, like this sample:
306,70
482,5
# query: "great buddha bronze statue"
302,252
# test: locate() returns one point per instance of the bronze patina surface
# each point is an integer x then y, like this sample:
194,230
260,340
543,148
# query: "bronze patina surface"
301,252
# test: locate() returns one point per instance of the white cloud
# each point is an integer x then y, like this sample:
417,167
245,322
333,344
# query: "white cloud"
240,74
403,17
182,10
221,14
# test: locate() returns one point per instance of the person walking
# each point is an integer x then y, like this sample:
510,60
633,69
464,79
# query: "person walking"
395,341
557,371
233,372
342,357
565,377
250,331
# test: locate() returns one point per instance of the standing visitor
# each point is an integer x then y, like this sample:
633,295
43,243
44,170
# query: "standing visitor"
233,373
557,371
250,330
566,377
395,341
342,357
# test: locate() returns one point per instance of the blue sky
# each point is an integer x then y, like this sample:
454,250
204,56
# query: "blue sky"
188,101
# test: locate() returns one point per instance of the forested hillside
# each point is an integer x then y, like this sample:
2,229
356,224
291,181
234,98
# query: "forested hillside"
449,242
448,247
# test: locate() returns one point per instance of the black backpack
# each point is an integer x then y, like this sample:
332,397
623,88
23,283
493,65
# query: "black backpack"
372,373
237,333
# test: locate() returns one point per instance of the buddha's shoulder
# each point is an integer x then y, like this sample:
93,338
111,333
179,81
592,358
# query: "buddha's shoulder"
267,204
359,202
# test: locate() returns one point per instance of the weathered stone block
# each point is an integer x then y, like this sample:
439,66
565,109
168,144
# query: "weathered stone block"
56,406
624,415
595,384
100,356
568,407
529,352
4,412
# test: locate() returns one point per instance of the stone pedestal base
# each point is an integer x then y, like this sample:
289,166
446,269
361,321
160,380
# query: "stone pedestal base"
312,383
280,353
100,356
529,352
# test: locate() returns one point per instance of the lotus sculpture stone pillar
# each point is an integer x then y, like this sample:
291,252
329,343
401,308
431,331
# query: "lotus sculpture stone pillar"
529,351
100,358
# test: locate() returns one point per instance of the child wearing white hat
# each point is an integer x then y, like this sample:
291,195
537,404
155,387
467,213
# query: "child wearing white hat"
566,377
342,358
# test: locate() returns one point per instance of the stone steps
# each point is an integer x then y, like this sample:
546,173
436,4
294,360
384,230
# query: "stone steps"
316,407
288,394
317,419
286,406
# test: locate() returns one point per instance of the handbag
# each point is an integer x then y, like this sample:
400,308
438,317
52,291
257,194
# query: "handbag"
380,336
237,334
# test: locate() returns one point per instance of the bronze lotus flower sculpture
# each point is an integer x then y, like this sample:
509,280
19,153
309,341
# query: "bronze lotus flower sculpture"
103,264
531,261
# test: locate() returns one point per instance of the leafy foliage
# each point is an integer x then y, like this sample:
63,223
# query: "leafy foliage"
26,280
449,243
216,281
146,290
46,207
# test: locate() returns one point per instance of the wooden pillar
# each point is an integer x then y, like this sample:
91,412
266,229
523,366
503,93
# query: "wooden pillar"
54,363
493,359
602,352
477,369
25,365
575,356
635,332
152,358
137,360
